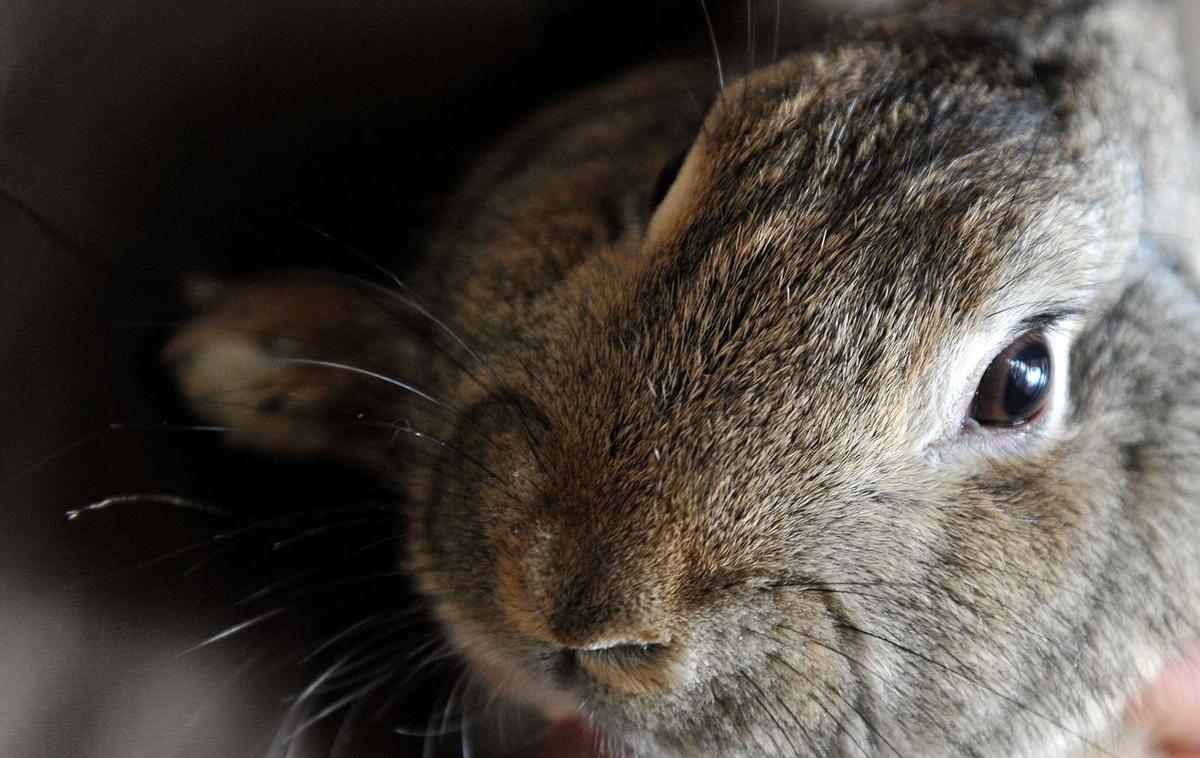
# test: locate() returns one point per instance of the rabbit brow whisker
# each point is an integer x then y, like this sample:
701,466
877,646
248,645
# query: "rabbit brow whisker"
174,501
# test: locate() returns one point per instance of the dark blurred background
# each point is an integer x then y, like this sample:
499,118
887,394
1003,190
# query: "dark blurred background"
139,140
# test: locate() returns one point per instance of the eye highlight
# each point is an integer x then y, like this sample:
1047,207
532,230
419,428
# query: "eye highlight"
1016,387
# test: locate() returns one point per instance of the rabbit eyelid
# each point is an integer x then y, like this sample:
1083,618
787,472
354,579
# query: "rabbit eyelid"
967,365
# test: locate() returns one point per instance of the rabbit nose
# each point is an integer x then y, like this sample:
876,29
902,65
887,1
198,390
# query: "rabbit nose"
625,630
633,667
643,649
619,639
623,644
624,655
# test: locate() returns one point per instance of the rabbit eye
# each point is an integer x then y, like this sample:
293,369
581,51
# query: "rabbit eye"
1016,386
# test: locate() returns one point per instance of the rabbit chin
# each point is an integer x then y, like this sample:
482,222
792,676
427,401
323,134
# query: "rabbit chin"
567,732
519,680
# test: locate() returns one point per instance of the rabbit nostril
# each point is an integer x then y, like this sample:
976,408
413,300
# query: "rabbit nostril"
625,653
634,667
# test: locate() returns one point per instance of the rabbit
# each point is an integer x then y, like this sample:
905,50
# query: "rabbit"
854,413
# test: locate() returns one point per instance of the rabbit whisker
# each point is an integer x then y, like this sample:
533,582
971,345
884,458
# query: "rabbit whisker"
712,38
973,679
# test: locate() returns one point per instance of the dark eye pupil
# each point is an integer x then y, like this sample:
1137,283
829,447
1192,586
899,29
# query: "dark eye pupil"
1016,385
1028,380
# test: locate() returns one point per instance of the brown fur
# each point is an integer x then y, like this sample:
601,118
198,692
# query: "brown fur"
716,436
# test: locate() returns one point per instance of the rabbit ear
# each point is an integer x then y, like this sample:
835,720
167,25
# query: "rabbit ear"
301,364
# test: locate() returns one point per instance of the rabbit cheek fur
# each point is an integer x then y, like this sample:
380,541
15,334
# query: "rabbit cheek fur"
711,489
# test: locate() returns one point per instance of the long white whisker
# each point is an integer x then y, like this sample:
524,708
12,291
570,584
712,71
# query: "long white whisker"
236,628
370,374
175,501
712,38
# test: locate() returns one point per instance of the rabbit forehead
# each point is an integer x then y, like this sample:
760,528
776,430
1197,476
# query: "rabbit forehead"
825,282
841,213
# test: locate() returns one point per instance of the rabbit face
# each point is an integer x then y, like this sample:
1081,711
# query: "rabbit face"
877,435
743,495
